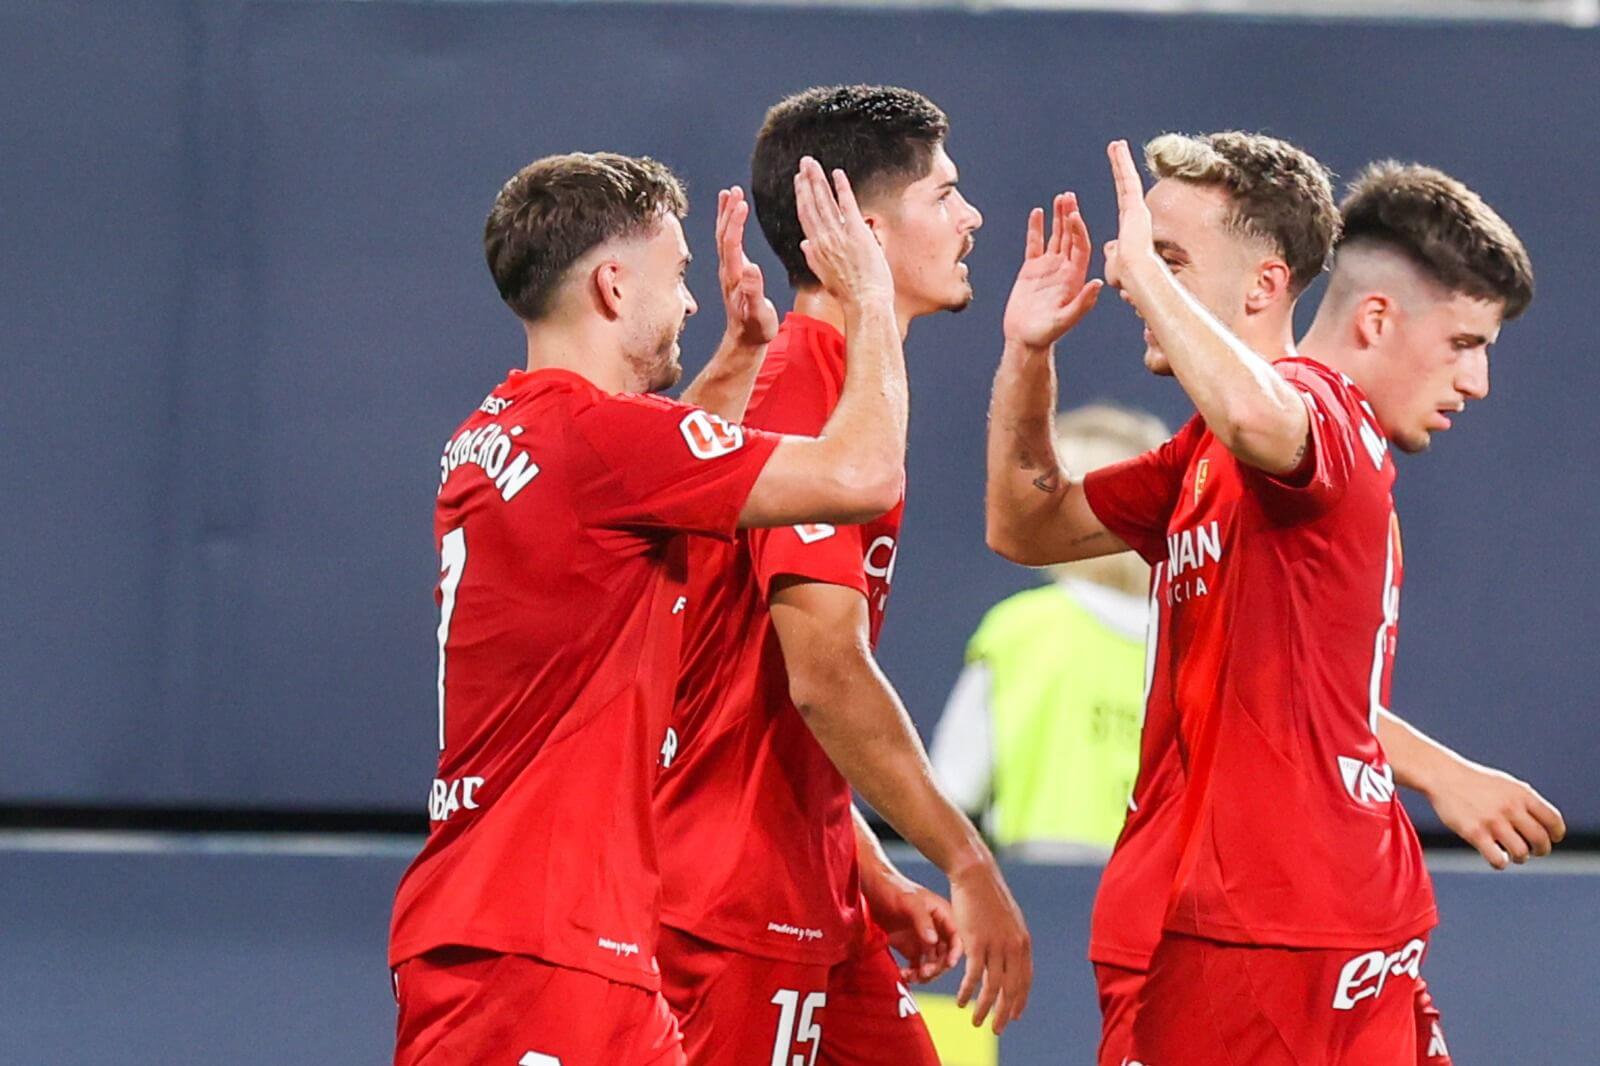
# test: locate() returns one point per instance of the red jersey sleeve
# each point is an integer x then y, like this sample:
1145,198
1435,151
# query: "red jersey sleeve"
1135,498
1333,447
650,462
816,552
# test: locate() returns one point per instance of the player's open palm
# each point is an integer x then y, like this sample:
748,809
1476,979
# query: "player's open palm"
1051,293
999,950
1134,228
752,319
839,246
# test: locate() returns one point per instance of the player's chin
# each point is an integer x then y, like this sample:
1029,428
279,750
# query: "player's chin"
960,300
1414,443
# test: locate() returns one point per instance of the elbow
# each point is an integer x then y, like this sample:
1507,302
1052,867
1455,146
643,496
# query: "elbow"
869,492
1264,435
1011,544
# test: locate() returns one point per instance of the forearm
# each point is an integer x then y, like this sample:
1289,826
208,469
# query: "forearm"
867,431
864,729
1024,469
1247,405
1417,759
724,386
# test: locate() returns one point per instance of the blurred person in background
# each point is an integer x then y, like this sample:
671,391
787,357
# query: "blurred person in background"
1039,740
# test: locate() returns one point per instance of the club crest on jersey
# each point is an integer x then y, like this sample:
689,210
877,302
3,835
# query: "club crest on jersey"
810,534
708,436
1202,472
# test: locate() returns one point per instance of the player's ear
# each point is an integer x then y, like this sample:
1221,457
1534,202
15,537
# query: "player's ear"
1270,285
609,279
1375,319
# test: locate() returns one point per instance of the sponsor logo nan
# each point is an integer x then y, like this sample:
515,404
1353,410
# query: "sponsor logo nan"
1365,782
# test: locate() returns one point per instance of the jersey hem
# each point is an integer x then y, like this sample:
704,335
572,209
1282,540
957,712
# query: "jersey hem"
1127,960
858,943
1306,938
621,974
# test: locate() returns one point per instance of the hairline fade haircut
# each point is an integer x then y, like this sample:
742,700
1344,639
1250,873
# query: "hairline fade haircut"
1441,226
555,209
883,137
1280,194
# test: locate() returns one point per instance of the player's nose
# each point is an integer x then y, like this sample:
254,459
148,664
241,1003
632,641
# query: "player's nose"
1472,379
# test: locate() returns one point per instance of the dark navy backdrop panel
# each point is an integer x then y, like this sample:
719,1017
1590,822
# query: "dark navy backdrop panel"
202,955
246,304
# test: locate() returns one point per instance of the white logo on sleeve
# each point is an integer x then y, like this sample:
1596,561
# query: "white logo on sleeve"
669,748
880,558
1436,1046
908,1005
810,534
709,436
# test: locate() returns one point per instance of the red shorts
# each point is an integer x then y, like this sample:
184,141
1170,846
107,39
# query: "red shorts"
463,1007
738,1009
1119,991
1210,1004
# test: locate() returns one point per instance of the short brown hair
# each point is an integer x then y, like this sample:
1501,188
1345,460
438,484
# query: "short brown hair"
1280,193
883,137
555,209
1442,226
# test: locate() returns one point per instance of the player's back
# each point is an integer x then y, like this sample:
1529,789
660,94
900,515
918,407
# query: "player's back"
562,573
757,842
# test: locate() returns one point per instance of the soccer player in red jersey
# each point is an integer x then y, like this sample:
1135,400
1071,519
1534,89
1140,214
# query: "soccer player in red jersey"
1205,233
525,930
778,904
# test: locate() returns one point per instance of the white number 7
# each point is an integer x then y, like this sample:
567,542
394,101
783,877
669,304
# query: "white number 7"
452,560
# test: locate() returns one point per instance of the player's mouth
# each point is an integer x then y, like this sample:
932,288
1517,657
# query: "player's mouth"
1442,420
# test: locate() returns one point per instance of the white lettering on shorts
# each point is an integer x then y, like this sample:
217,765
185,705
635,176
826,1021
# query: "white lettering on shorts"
1365,975
709,436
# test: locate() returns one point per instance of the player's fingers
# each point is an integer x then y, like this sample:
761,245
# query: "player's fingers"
1510,840
1124,176
821,192
849,210
1078,244
988,992
1035,243
1529,829
1484,841
1548,815
1053,247
969,981
804,206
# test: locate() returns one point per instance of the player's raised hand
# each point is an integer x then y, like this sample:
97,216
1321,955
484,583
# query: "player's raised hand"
1134,246
839,246
1051,294
999,950
752,319
1504,818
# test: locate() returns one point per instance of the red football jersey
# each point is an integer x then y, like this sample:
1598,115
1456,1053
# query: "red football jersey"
558,520
758,848
1130,902
1283,596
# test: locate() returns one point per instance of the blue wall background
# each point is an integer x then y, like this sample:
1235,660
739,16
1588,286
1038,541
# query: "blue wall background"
244,303
182,952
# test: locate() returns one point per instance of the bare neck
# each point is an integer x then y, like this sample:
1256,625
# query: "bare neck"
587,349
1270,335
817,303
1333,347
